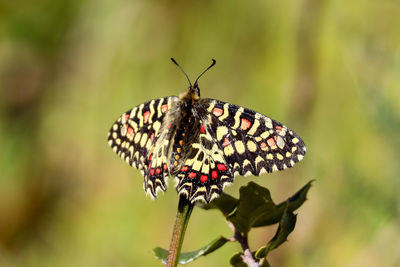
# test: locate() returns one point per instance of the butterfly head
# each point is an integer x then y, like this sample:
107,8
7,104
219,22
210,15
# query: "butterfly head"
193,92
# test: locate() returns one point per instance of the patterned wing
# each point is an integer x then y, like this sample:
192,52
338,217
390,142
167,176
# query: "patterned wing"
227,140
251,142
202,172
141,137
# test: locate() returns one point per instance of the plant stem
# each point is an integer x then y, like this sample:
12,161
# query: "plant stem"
185,209
247,257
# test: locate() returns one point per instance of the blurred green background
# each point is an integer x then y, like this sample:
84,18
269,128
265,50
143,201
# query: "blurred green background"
327,69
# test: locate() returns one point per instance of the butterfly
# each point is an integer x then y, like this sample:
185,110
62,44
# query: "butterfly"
203,143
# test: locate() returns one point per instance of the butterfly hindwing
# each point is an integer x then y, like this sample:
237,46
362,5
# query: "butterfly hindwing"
140,136
202,173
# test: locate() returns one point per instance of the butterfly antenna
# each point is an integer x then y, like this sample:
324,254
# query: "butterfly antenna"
212,64
176,63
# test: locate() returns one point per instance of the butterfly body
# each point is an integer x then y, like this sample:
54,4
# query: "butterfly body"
202,143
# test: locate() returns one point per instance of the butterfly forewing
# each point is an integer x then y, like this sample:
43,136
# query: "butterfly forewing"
141,137
251,142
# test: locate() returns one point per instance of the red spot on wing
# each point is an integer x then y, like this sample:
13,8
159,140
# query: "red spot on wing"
164,108
165,167
203,178
126,117
214,174
151,172
130,130
146,116
152,137
221,167
202,128
271,142
263,145
217,112
278,128
150,157
245,124
226,142
192,175
158,171
169,125
184,168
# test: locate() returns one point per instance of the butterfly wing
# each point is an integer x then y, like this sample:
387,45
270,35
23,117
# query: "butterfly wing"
232,141
202,173
141,137
251,142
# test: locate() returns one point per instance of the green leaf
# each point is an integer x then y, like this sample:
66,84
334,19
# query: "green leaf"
286,226
185,257
254,201
272,216
225,203
255,207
